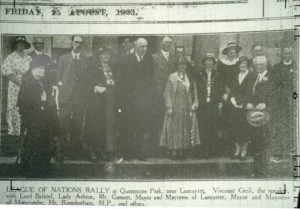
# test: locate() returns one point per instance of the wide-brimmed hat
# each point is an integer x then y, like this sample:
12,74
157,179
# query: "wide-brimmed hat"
20,39
258,118
231,45
209,55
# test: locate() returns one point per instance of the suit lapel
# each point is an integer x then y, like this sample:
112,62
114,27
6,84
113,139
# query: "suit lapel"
162,58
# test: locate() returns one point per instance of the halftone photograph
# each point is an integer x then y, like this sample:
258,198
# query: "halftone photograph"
197,106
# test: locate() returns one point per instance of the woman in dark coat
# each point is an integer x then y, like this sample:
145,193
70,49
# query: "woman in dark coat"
210,89
100,131
39,122
227,67
241,86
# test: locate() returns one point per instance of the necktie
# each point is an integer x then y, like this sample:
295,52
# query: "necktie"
257,80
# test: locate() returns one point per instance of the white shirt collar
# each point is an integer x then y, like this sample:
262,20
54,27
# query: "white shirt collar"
138,57
242,76
75,54
165,53
287,63
226,61
38,52
261,75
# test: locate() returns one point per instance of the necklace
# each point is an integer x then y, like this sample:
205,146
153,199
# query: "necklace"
181,76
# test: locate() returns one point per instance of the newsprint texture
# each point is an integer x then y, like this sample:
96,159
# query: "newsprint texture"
150,103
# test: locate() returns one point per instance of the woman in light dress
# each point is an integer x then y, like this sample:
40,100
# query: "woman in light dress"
180,129
14,66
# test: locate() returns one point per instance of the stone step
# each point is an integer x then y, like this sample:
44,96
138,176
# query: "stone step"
152,169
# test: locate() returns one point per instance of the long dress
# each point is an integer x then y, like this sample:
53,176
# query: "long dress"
227,70
180,129
15,65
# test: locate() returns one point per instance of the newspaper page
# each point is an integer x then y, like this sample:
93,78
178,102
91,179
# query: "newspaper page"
150,103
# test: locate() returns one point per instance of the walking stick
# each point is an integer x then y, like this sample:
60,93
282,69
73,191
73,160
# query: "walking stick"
21,148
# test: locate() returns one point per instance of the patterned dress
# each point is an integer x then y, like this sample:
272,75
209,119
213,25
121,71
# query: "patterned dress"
181,120
15,65
180,130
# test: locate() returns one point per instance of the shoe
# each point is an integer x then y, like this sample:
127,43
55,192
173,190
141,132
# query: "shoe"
244,150
237,150
275,160
119,160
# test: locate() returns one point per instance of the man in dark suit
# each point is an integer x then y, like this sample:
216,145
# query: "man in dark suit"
285,76
163,66
210,88
72,81
260,99
45,60
136,88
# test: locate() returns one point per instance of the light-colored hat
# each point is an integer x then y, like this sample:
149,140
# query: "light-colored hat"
231,45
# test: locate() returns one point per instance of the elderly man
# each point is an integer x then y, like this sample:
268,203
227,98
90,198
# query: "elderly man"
285,80
45,60
260,99
72,81
163,66
136,103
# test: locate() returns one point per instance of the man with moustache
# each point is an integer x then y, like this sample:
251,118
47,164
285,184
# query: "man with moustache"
72,82
136,87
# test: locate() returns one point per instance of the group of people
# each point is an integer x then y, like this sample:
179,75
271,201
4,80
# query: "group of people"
109,107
